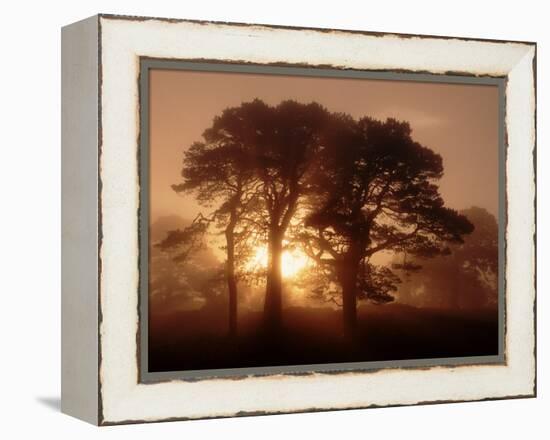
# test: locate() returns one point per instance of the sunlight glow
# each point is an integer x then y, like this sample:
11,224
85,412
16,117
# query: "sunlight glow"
292,263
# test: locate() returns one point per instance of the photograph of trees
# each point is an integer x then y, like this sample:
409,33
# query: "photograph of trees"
299,220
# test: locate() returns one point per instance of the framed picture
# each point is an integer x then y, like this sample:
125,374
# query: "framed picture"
262,220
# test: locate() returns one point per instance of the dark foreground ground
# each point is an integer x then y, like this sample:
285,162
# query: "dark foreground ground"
194,340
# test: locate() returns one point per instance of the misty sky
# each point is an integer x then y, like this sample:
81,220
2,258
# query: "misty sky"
460,122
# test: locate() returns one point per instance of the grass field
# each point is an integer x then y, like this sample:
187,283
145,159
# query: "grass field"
192,340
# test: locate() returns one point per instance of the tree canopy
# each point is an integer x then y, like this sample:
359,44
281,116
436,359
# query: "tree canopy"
374,190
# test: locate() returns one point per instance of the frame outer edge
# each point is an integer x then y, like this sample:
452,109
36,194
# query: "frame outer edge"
109,422
79,220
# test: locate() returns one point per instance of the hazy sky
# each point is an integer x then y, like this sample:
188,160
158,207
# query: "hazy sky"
460,122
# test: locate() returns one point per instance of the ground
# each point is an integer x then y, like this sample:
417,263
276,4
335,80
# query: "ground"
192,340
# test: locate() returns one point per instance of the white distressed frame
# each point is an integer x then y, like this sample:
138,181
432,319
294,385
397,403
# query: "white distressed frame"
122,42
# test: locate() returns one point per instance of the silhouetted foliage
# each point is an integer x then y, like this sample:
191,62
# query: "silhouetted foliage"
220,172
187,241
175,283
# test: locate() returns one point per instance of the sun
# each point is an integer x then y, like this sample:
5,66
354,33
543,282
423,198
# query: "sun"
292,261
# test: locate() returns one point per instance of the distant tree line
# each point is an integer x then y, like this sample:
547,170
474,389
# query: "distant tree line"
466,278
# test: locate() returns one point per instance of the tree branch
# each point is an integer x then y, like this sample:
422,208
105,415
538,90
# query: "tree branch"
392,242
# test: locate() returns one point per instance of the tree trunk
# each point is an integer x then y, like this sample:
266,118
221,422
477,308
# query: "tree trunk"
230,276
348,279
273,297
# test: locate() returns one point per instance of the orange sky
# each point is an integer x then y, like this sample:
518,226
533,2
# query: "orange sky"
460,122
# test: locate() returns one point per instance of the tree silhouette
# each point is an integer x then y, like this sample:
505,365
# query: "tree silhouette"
479,255
464,279
365,187
289,138
374,191
221,173
253,167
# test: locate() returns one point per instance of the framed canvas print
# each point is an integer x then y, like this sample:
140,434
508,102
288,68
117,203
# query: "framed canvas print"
262,220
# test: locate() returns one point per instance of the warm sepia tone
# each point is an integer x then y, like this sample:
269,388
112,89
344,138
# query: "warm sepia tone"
299,220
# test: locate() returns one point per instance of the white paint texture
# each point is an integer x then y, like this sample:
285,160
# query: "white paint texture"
123,42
